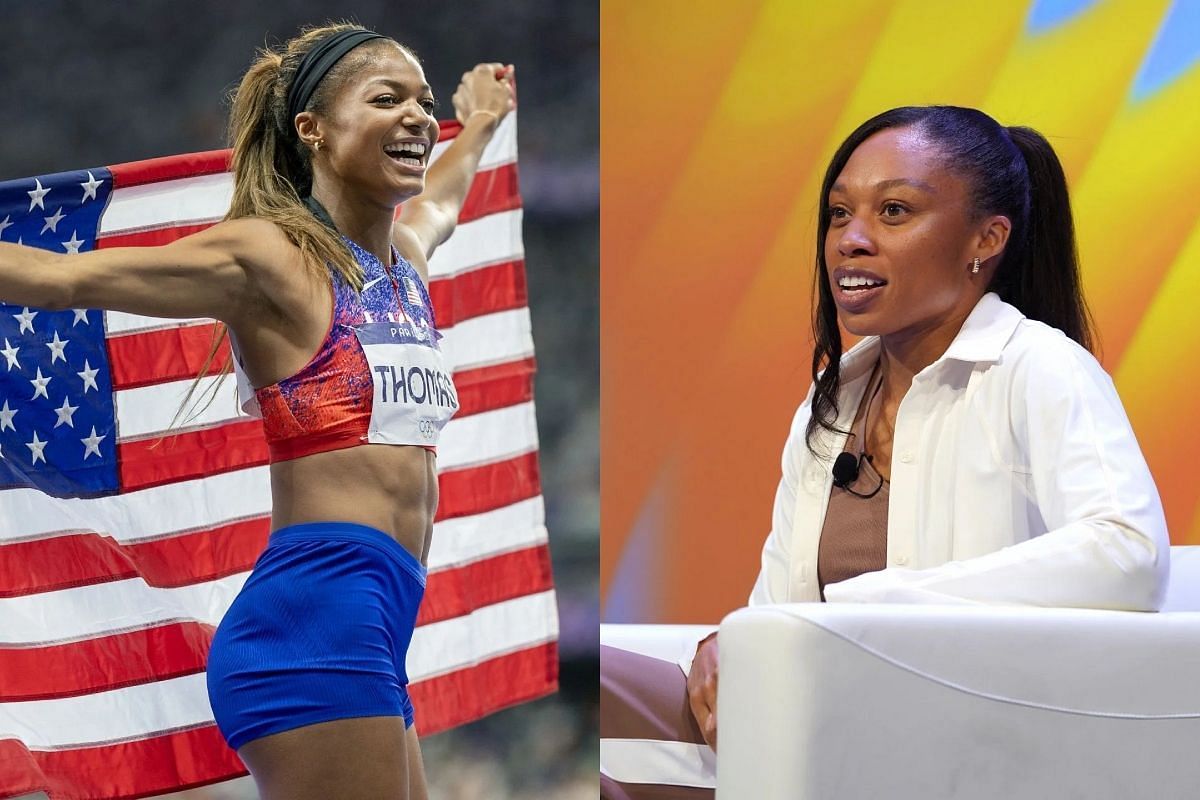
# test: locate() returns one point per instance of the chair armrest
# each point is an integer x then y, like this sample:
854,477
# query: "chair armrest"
665,642
987,703
1183,589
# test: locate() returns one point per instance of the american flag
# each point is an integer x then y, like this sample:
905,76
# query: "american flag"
410,289
120,549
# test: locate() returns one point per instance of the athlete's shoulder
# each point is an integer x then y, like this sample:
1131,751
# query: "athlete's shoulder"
251,236
259,246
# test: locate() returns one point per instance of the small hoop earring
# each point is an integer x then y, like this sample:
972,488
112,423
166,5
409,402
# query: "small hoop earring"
975,266
317,145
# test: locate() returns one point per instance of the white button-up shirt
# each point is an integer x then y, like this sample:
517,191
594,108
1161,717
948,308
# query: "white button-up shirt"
1015,478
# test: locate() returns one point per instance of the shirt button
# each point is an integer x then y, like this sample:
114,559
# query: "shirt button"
900,561
813,479
907,457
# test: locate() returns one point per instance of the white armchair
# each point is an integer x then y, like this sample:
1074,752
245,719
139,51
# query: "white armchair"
847,701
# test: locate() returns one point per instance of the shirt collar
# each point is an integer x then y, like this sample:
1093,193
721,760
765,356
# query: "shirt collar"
985,332
981,339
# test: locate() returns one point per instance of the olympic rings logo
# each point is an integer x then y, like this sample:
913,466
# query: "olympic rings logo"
427,428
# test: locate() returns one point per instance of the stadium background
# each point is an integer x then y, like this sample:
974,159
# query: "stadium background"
717,127
87,84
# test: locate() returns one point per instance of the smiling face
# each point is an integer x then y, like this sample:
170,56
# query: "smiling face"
901,238
379,130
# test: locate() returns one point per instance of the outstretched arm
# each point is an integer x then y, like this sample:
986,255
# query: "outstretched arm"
203,275
484,97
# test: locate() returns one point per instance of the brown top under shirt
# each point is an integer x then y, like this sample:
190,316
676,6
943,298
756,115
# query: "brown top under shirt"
854,536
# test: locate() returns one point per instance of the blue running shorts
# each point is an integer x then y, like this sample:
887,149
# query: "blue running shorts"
319,632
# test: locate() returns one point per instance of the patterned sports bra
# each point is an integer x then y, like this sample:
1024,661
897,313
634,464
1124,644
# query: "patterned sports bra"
379,375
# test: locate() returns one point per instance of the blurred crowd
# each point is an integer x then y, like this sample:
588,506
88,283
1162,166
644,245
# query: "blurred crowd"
89,84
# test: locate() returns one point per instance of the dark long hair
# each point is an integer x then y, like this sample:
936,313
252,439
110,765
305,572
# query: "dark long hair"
1011,171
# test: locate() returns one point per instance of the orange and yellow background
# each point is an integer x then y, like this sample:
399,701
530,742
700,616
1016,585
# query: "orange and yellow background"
717,122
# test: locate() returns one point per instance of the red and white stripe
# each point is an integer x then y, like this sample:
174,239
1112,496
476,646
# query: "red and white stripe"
107,605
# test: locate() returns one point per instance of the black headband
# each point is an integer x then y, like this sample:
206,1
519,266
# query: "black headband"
318,61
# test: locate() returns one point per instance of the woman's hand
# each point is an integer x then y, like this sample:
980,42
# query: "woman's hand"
702,689
485,90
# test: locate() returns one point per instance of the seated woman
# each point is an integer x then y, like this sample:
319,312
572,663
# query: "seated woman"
970,449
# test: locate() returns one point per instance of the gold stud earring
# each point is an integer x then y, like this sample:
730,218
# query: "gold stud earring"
317,144
975,266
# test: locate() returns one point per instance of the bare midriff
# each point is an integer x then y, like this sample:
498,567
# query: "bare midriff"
390,487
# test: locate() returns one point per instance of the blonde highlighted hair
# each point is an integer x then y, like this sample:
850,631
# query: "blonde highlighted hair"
272,168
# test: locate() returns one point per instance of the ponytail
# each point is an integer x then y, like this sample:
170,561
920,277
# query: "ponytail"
271,167
1039,273
272,170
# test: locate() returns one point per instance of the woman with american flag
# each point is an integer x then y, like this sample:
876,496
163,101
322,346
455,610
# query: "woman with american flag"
322,289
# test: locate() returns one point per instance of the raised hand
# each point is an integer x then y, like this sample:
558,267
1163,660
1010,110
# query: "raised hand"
486,89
